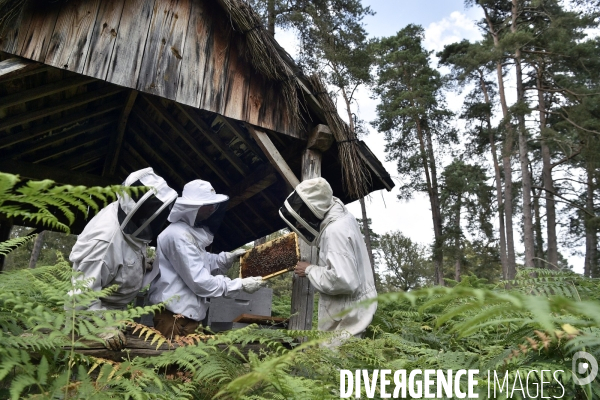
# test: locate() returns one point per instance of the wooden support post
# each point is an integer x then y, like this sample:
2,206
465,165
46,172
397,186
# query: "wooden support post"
37,249
303,292
5,228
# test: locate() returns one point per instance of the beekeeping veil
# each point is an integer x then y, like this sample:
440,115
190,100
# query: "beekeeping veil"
200,206
306,207
143,215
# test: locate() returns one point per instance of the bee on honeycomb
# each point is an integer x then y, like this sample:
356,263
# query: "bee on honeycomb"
281,255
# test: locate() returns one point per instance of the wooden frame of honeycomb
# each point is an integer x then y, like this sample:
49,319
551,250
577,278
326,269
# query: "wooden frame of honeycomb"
272,258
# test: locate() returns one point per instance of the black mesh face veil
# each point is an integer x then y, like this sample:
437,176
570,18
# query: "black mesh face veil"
147,218
300,218
213,222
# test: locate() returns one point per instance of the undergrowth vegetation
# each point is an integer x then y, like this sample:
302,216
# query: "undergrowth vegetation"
536,322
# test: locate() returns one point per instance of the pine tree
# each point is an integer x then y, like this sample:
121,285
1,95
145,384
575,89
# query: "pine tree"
414,119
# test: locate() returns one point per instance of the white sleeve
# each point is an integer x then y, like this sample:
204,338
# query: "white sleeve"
98,275
195,266
218,263
337,272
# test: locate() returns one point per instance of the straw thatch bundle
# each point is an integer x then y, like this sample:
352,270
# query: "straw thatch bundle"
355,172
264,55
10,9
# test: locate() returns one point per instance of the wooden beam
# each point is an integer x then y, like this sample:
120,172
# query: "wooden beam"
178,152
94,126
72,102
214,138
151,151
187,137
114,148
235,128
136,155
44,90
59,175
83,159
241,221
15,66
253,211
257,181
76,144
38,130
274,156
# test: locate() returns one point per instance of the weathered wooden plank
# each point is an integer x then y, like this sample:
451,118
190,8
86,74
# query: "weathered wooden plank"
187,137
34,146
117,139
214,138
43,91
102,42
274,156
196,54
72,102
237,89
161,63
39,130
60,175
126,58
216,74
14,67
70,41
43,19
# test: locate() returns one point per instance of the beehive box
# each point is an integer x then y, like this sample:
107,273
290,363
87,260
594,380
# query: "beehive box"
272,258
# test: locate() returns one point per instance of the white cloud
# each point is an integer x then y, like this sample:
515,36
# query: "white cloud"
454,28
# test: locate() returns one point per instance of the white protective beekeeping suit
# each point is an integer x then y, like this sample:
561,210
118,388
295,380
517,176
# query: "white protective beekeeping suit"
188,274
343,274
111,249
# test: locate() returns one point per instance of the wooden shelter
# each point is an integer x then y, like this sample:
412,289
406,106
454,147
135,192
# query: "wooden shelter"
91,90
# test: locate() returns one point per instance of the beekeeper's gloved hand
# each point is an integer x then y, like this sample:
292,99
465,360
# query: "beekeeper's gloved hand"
113,338
234,256
252,283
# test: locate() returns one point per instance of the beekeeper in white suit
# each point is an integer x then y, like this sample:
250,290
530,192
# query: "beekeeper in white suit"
343,274
111,250
188,274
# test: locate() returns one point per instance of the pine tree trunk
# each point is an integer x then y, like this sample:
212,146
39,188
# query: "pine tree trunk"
590,268
498,179
37,249
436,212
507,149
271,17
367,233
539,240
458,254
548,181
523,150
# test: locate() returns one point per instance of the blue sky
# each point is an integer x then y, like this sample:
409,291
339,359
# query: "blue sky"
392,15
